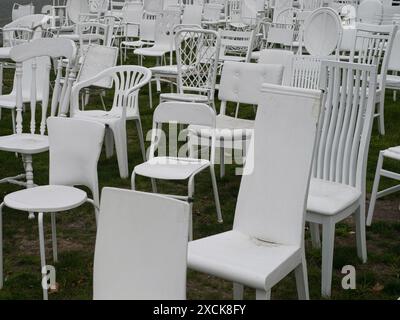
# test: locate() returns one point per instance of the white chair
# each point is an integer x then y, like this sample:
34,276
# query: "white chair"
180,167
370,11
163,43
19,11
75,147
192,14
240,83
236,45
322,33
267,239
197,58
393,78
393,154
128,221
131,19
337,188
33,140
128,80
281,57
373,45
147,34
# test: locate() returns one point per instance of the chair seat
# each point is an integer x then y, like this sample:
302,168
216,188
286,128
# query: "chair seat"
135,44
51,198
330,198
24,143
255,55
165,70
232,58
392,81
237,257
5,52
228,128
184,97
8,101
169,168
105,116
154,51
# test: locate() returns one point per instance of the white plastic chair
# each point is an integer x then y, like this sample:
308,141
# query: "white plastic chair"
267,239
75,147
163,43
33,140
197,58
240,83
180,168
131,19
19,11
128,221
337,188
128,80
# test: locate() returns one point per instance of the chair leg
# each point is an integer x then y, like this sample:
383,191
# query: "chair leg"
375,189
141,138
29,176
222,160
150,95
190,196
1,245
238,291
328,242
315,236
54,237
216,196
119,132
381,111
13,120
42,254
302,280
360,233
263,295
109,143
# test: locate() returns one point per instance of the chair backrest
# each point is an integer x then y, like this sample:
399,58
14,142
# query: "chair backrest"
132,17
192,14
49,48
281,5
19,10
128,221
212,11
97,59
147,30
98,6
185,113
306,72
346,122
373,45
282,57
236,43
311,4
370,11
92,33
197,54
76,8
75,147
154,6
322,33
241,82
271,203
127,81
394,61
165,25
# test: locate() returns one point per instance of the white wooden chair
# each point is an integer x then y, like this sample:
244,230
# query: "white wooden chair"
32,140
127,80
373,45
180,167
337,188
197,58
267,239
393,68
75,147
128,221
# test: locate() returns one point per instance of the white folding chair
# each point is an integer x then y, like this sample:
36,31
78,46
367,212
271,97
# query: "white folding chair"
180,167
337,188
267,239
130,220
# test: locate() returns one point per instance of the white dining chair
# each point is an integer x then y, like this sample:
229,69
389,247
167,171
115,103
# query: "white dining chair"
127,80
129,222
31,139
337,188
180,167
267,239
75,147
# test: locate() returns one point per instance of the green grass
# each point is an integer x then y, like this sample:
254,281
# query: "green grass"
378,279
